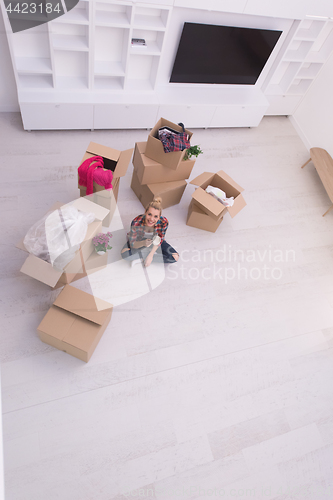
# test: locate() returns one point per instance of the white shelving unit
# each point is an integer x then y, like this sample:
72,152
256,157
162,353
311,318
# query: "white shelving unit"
82,71
308,49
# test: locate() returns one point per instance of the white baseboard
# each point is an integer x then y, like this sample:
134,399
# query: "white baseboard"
300,132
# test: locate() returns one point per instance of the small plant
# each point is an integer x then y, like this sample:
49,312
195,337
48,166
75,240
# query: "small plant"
101,242
193,151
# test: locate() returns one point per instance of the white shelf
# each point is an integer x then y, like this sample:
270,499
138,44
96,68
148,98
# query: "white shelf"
298,50
109,68
309,29
72,82
76,15
111,14
299,87
33,65
70,43
35,81
108,83
309,70
308,50
150,18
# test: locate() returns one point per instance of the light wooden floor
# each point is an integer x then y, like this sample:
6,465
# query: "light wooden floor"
211,381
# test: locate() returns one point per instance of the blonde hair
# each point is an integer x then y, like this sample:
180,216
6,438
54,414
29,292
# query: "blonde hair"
156,203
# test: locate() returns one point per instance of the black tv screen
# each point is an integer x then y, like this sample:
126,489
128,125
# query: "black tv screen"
222,54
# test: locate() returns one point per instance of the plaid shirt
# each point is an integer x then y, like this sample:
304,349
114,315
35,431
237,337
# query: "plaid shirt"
174,142
138,229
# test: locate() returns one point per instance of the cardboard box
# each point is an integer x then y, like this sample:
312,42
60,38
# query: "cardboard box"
149,171
75,323
206,202
154,148
106,198
114,160
170,192
96,262
44,271
199,219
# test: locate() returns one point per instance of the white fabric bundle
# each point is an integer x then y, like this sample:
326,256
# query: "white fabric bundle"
220,196
57,236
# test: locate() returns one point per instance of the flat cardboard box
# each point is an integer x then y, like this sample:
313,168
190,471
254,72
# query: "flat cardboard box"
208,203
199,219
44,271
170,192
75,323
154,148
150,171
106,198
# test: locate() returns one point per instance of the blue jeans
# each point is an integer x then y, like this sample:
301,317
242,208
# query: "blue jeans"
163,254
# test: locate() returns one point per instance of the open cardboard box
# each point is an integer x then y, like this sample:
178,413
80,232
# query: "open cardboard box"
44,271
114,160
106,198
170,192
75,322
149,171
208,204
199,219
154,147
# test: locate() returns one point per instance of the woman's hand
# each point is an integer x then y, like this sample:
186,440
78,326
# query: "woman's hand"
148,242
149,259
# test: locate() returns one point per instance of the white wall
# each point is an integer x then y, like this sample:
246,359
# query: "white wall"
8,93
313,118
2,486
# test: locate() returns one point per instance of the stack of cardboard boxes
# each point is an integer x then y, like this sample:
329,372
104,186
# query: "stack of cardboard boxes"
157,173
117,162
76,321
205,212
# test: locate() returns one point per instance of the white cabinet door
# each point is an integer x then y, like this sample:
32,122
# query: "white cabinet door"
38,116
282,104
125,116
196,116
238,116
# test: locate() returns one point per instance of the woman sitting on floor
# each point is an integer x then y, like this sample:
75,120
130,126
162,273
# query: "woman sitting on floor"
145,241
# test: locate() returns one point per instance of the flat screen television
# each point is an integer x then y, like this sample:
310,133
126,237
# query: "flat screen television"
222,54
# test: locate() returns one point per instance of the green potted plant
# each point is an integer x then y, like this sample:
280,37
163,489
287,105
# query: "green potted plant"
193,151
101,242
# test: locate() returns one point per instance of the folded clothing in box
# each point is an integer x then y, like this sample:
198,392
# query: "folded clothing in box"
155,150
208,203
112,159
75,322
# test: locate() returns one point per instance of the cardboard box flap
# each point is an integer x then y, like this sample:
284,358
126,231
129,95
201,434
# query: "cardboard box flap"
20,245
239,204
203,178
229,180
85,205
56,323
83,334
99,150
83,304
41,270
123,162
209,204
